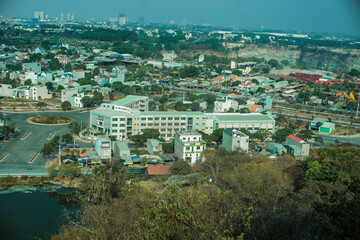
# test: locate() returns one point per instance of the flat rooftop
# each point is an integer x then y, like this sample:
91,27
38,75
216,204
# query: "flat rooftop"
244,118
127,100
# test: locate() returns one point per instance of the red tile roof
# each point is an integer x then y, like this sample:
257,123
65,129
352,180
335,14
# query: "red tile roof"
295,138
79,70
70,83
220,77
158,170
254,107
233,77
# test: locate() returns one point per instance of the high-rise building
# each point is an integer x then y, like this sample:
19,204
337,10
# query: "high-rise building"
68,17
172,22
72,17
62,16
141,20
122,19
39,15
113,21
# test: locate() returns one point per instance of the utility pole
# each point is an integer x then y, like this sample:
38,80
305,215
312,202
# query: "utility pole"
59,155
357,111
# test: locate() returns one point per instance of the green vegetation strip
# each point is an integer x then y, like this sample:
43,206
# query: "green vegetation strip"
3,157
32,159
26,135
50,120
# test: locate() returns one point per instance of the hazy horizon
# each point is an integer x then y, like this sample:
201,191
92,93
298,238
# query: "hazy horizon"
331,16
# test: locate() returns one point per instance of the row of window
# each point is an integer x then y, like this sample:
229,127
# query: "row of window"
162,118
162,124
118,119
195,148
116,131
118,125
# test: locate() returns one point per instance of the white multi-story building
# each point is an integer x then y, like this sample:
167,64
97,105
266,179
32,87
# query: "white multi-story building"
123,119
224,104
32,76
189,146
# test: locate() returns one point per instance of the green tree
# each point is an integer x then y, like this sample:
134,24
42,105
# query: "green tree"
260,90
71,170
76,127
98,97
27,82
68,67
86,101
67,138
49,86
66,106
162,108
168,147
189,71
244,110
163,99
180,168
281,135
217,135
111,96
41,104
195,106
180,106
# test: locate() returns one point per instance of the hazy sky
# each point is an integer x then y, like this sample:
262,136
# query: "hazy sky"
339,16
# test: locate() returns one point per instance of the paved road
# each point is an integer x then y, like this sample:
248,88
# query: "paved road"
357,125
20,151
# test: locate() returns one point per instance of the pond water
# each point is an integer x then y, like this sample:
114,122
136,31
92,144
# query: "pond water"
33,212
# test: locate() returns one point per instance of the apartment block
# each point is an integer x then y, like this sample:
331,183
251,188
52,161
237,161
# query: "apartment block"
189,146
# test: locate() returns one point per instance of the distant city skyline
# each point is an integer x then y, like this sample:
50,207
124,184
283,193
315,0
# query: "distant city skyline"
331,16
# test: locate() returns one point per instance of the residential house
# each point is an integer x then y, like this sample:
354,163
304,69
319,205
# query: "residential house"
32,76
153,146
234,139
34,67
39,92
217,80
223,104
118,74
103,147
202,103
189,146
297,146
316,123
327,127
121,149
66,94
255,108
78,73
6,90
64,60
276,148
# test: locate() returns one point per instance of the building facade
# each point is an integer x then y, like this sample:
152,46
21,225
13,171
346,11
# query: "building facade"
103,147
189,146
297,146
234,139
122,121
